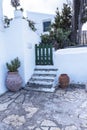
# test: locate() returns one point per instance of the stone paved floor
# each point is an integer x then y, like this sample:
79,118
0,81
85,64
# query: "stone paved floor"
29,110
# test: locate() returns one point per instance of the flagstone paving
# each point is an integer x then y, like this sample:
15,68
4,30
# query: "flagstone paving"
66,109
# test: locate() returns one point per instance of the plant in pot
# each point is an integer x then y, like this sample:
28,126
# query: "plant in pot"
13,79
15,3
18,13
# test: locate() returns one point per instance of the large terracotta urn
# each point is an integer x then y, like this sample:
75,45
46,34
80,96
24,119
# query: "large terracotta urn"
64,81
13,81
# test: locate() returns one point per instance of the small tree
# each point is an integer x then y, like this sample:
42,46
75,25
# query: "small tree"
57,20
66,17
15,3
60,32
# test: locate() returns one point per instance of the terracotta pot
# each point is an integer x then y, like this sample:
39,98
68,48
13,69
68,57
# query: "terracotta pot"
64,80
13,81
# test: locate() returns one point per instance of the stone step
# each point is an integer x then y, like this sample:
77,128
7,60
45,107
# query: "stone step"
41,81
44,76
45,71
38,87
44,67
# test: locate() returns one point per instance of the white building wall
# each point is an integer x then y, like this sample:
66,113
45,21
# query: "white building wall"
17,41
72,61
20,42
2,63
39,18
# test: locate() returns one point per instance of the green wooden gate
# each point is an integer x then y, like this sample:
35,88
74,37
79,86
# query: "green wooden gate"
43,54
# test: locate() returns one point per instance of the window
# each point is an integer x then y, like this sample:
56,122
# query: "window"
46,26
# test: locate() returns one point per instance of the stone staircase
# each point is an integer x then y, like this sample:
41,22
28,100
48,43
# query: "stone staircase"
44,79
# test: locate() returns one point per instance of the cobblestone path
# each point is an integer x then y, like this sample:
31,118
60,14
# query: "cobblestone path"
29,110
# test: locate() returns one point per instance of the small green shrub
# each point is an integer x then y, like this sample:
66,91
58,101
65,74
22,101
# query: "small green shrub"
14,65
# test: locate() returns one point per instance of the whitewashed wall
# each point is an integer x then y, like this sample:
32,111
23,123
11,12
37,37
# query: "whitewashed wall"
39,18
2,63
20,41
17,41
72,61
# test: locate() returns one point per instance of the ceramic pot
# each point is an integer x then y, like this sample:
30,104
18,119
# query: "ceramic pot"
64,80
13,81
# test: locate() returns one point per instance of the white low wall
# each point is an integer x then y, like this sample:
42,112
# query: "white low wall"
72,61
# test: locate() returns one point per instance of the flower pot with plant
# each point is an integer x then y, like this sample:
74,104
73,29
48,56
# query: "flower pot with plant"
18,13
13,79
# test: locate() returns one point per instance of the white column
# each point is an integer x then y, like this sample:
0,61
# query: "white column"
1,15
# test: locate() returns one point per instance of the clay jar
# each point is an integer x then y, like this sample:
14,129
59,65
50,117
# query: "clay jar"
64,80
13,81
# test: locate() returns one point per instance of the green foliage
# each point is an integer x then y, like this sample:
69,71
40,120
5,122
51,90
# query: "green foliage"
60,32
63,20
31,25
61,38
58,38
57,20
7,21
46,39
15,3
84,15
14,65
66,17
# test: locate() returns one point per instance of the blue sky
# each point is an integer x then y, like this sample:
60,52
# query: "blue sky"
43,6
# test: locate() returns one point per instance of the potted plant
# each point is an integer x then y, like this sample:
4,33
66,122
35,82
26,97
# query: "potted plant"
15,3
18,13
13,79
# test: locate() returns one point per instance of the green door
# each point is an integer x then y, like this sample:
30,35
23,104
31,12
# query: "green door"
43,54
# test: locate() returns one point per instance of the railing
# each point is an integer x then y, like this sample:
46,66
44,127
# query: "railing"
84,37
43,54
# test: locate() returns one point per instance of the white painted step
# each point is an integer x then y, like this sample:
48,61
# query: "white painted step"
43,82
43,71
44,67
37,76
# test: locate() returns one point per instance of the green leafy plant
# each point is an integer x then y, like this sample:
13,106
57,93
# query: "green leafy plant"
60,34
7,21
31,25
15,3
13,65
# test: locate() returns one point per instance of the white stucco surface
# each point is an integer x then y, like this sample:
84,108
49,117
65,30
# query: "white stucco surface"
72,61
20,41
2,64
38,19
17,41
